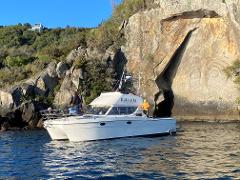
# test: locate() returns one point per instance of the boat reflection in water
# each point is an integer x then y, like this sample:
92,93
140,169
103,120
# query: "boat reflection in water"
112,115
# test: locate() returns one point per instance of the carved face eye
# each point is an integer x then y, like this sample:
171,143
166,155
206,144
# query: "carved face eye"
213,72
196,74
195,77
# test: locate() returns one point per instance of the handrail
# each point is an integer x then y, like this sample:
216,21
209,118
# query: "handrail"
54,114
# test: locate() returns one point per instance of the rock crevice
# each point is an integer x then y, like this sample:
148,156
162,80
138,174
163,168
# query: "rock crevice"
165,79
201,13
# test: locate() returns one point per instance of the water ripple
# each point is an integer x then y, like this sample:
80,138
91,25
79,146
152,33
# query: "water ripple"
198,151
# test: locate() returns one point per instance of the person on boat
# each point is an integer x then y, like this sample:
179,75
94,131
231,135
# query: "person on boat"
145,107
75,104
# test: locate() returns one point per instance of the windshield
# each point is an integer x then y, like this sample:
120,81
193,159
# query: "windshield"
96,110
122,110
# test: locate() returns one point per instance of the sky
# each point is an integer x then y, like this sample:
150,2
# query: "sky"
55,13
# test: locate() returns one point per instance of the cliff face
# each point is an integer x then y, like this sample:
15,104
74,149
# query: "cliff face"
181,49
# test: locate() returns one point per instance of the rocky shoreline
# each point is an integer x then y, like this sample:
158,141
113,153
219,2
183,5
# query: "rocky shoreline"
27,116
210,119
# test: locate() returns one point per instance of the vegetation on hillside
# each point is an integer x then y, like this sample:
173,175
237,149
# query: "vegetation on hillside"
98,77
234,72
24,53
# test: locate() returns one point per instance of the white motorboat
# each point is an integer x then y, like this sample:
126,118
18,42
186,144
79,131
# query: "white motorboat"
111,115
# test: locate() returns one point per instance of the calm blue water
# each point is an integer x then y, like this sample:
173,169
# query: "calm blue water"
198,151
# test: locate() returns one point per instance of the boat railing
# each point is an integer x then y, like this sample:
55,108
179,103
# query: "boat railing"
54,114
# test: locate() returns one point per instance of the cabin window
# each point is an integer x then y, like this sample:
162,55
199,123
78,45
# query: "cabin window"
97,110
114,111
122,110
131,110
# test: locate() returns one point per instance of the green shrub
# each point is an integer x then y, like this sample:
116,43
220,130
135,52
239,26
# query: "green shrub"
97,79
234,72
9,76
12,61
80,62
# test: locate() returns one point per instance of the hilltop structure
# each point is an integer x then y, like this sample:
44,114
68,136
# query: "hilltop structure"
37,27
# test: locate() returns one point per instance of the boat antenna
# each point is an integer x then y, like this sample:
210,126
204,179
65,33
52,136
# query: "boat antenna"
121,80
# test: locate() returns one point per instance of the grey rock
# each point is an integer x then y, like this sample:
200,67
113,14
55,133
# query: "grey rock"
30,114
69,86
79,52
109,54
61,69
40,124
51,70
94,53
27,89
17,94
5,126
45,83
6,100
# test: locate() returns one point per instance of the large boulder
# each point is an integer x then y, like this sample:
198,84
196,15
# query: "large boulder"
47,80
61,69
181,48
79,52
30,114
69,86
44,84
4,126
51,69
94,53
12,98
6,100
27,89
12,121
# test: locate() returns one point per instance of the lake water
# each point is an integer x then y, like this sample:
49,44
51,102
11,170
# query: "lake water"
198,151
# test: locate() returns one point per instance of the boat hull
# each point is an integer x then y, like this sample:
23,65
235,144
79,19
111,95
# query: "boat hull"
55,131
77,131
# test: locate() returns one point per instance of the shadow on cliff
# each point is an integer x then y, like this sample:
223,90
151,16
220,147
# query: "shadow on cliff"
119,62
165,79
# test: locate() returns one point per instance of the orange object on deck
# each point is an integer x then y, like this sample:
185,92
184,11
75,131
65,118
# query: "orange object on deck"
145,105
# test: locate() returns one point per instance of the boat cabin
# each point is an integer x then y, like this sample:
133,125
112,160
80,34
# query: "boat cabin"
115,103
